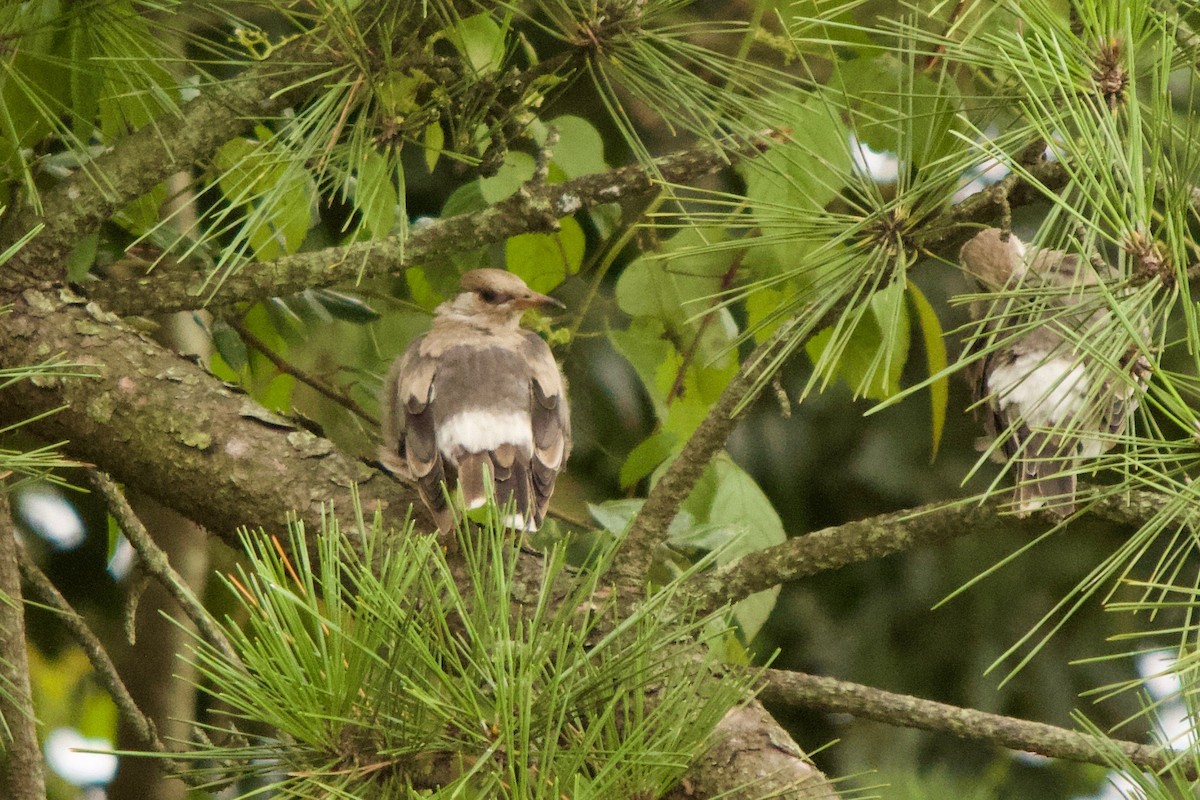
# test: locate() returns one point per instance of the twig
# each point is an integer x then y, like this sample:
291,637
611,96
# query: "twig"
798,689
141,725
534,208
876,537
649,528
709,316
155,562
23,778
287,368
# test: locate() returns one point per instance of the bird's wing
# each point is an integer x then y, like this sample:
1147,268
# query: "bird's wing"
409,433
551,421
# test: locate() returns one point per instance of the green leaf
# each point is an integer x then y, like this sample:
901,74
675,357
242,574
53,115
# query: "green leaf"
82,256
871,357
516,171
673,288
434,142
935,360
733,517
481,40
647,456
543,260
229,345
345,307
900,110
375,195
273,192
580,149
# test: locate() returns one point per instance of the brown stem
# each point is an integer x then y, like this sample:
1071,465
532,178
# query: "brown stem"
287,368
796,689
880,536
106,672
155,561
649,528
21,776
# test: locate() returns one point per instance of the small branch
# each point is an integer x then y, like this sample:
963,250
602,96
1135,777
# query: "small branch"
799,690
883,535
313,382
532,208
155,562
23,777
649,528
106,672
81,203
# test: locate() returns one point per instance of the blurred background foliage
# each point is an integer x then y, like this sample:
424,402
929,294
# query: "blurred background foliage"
889,113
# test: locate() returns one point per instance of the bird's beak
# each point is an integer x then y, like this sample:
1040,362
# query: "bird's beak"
534,300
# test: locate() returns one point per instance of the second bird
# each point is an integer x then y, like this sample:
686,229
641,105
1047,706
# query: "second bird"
479,400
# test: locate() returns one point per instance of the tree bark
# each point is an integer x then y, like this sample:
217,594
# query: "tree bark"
21,775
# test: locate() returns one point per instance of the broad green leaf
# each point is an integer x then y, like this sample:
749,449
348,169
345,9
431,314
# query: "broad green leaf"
675,288
580,149
647,456
935,360
375,194
544,260
872,356
273,192
733,517
434,142
481,40
82,256
345,307
229,345
900,111
516,170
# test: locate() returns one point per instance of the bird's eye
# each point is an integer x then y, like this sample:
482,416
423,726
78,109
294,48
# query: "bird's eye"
488,295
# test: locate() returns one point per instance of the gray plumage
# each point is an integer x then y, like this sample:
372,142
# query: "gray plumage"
478,400
1051,408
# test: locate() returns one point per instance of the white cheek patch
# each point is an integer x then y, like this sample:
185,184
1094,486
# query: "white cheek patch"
1046,391
477,431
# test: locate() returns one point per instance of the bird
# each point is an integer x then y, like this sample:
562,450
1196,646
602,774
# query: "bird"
479,404
1050,406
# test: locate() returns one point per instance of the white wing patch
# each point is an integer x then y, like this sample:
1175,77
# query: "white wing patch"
1047,391
477,431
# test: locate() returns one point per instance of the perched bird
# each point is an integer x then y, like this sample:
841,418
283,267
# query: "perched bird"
1051,406
479,401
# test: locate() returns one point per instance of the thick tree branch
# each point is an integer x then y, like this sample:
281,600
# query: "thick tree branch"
535,207
796,689
81,203
883,535
163,424
21,771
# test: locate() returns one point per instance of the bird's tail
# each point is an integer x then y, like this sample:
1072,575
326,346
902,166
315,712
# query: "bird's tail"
507,478
1046,477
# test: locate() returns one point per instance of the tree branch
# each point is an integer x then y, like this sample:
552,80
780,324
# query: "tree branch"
534,207
22,758
78,205
798,690
155,561
649,529
883,535
161,423
106,672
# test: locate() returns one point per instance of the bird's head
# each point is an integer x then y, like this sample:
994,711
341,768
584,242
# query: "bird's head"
994,258
495,297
